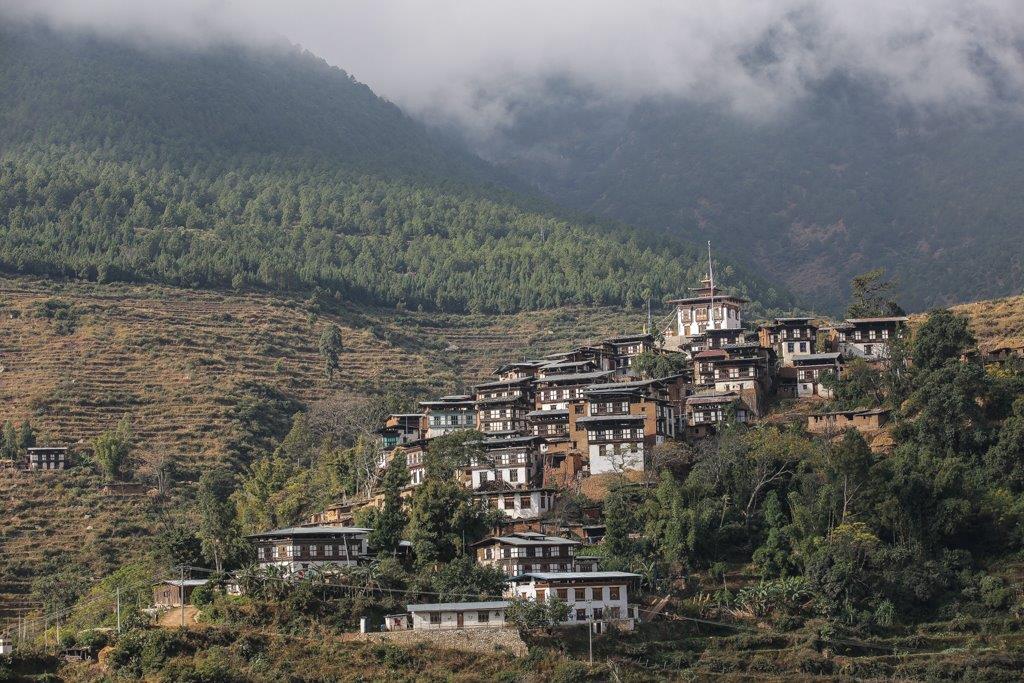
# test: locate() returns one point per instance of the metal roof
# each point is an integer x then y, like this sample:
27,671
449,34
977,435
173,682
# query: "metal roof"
817,356
311,531
628,337
563,412
570,576
456,606
602,418
581,376
528,538
890,319
188,582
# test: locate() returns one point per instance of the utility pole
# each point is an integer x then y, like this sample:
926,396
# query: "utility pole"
181,595
590,638
118,610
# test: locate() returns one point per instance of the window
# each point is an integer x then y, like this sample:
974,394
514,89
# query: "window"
540,594
581,615
598,613
435,618
871,334
789,347
613,593
562,593
885,334
488,553
260,552
513,475
483,617
312,551
525,503
803,347
329,550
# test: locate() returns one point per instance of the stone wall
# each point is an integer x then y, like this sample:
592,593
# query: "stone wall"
482,640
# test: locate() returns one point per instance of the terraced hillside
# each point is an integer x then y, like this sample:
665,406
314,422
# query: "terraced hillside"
999,322
77,357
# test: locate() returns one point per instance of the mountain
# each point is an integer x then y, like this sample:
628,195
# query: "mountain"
843,182
269,169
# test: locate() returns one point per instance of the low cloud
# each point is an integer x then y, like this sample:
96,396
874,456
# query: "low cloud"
465,61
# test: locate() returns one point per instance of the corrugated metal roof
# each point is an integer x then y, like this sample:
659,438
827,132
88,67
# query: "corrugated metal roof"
311,531
456,606
569,576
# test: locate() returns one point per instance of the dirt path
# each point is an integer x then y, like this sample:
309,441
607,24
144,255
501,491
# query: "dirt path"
172,618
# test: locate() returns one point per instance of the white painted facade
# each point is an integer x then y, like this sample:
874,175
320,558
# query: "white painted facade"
591,596
618,457
525,504
456,615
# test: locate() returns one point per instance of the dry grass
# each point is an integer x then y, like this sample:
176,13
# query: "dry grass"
998,322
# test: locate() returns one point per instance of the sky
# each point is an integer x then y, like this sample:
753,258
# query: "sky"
465,61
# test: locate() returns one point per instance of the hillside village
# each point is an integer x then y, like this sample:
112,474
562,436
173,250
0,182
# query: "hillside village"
544,452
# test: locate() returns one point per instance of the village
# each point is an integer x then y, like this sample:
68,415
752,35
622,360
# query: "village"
547,425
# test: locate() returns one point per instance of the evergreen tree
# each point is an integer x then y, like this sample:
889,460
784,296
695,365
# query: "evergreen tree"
26,436
330,349
872,296
617,525
390,521
218,532
9,446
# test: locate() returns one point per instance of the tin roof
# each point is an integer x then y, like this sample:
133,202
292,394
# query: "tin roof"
457,606
570,576
311,531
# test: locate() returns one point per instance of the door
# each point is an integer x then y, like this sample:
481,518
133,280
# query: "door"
459,619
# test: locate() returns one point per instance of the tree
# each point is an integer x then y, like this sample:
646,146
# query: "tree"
26,436
848,466
330,349
463,580
1005,459
112,449
872,296
217,530
443,521
9,447
943,337
389,523
179,546
617,525
658,364
530,615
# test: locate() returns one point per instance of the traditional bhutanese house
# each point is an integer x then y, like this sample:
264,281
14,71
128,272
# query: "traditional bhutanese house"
869,338
601,597
517,503
789,337
743,375
624,422
557,391
704,366
705,410
861,419
523,369
47,458
810,370
402,428
1002,353
709,308
514,461
451,615
295,549
627,347
502,406
518,553
449,414
598,357
171,592
717,339
338,514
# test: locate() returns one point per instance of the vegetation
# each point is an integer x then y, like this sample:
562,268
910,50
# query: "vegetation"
271,170
112,450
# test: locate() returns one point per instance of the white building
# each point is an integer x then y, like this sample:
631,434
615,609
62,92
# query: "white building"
869,338
525,551
449,414
513,460
450,615
6,646
295,549
599,596
709,309
518,503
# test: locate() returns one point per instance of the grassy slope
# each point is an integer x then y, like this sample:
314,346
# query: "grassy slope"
172,358
998,322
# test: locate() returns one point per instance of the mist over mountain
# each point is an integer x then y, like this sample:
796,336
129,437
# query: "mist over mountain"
843,183
244,167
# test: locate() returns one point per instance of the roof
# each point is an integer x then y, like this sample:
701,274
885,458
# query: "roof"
456,606
580,376
449,401
499,399
503,382
548,413
47,448
719,296
712,397
509,440
812,357
188,582
311,531
602,418
710,353
624,386
628,337
570,576
855,411
888,319
527,538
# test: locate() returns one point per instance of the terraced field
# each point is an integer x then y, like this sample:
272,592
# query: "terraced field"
75,358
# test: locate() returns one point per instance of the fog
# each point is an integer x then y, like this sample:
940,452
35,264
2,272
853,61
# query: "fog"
464,61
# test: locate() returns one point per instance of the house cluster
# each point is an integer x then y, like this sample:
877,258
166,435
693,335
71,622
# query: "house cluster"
551,421
587,411
539,567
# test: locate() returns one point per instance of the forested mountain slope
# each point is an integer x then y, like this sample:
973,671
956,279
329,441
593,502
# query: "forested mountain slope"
842,183
231,167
